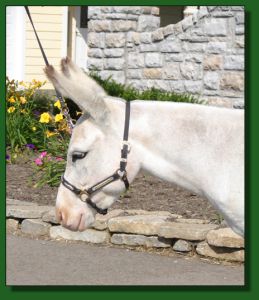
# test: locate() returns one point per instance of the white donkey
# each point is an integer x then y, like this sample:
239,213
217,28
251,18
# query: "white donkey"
197,147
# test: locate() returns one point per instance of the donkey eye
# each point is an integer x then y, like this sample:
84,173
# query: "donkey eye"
78,155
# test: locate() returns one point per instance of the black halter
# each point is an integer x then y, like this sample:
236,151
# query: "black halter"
85,194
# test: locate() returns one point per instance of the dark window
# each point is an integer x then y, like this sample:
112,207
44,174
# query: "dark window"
83,16
170,15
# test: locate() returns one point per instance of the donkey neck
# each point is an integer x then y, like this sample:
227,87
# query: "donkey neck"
168,139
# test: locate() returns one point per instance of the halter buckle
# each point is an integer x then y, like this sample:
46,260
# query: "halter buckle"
121,173
127,144
83,195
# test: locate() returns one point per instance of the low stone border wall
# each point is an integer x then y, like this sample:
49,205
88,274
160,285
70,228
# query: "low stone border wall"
149,229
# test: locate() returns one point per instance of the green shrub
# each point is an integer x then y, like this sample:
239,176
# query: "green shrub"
129,93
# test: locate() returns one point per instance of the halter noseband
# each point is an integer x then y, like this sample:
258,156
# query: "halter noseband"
85,194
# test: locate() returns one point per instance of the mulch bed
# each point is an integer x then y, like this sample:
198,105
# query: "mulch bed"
146,192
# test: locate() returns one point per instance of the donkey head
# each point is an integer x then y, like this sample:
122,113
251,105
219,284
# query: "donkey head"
94,148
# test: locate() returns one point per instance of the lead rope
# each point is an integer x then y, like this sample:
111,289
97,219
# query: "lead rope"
64,107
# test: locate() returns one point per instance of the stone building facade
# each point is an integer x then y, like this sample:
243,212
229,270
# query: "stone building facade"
202,55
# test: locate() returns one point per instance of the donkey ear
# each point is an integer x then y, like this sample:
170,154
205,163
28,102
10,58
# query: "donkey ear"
82,89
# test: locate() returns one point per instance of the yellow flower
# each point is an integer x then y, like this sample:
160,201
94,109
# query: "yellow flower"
58,117
22,83
50,133
45,118
11,109
33,128
23,111
23,100
11,99
57,104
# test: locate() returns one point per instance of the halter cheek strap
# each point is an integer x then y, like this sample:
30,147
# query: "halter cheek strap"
85,194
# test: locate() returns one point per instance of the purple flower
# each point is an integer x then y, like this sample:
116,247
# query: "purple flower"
30,146
36,113
7,157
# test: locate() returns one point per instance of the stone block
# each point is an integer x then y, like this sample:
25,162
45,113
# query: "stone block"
240,41
123,25
232,81
229,254
191,70
202,12
157,35
145,37
215,27
132,212
178,57
211,80
93,12
170,46
89,235
196,58
26,211
220,102
116,52
135,60
117,76
114,63
212,62
140,240
172,71
193,87
18,202
187,22
50,216
240,18
148,23
192,221
12,225
148,47
95,53
35,227
141,224
234,62
225,237
99,26
134,73
95,63
133,37
184,231
96,40
216,47
193,47
152,73
182,246
101,221
240,30
115,40
176,86
153,60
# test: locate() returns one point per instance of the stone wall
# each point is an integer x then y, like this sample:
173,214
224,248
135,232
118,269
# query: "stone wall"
157,230
202,55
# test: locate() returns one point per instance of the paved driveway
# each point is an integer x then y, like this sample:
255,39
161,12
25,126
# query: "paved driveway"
39,262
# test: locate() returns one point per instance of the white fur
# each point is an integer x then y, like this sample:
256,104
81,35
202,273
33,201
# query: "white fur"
198,147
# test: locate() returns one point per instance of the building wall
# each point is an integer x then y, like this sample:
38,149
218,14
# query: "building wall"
49,23
202,55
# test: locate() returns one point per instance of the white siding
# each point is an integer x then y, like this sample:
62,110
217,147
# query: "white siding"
15,41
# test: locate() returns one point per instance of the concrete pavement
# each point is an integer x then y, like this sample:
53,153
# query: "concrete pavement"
40,262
